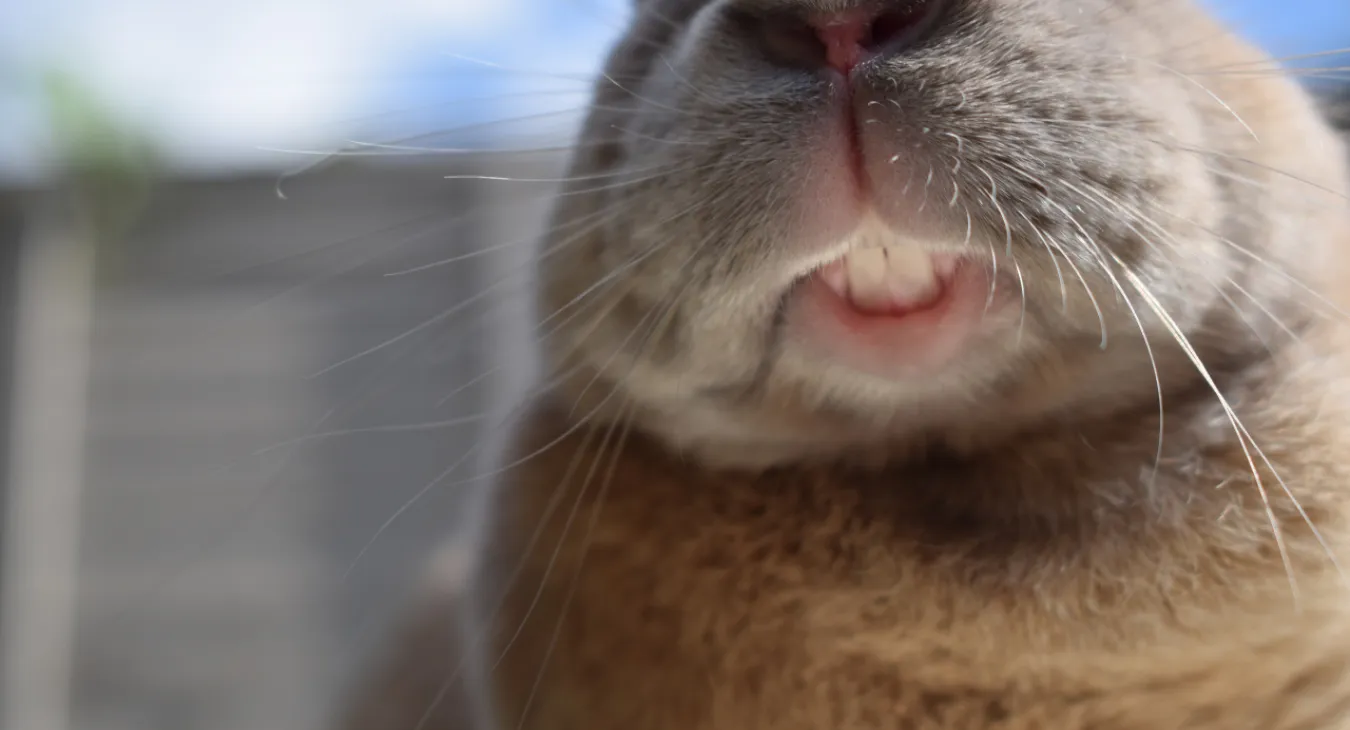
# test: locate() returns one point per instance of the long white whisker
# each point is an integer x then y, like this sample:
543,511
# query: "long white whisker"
1207,91
1238,428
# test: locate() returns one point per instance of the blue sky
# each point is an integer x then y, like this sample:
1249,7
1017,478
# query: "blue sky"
221,84
1290,27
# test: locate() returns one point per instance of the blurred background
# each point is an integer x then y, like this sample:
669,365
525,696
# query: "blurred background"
241,378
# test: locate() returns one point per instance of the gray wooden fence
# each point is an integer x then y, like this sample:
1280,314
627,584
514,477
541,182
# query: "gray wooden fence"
230,478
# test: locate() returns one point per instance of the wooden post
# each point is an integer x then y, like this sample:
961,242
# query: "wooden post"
44,473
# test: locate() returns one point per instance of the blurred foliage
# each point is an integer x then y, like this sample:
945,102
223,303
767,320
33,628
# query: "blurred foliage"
103,165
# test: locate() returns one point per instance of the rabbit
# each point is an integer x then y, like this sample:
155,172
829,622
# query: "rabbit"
920,364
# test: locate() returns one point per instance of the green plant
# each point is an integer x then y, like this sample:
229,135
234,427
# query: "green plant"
101,162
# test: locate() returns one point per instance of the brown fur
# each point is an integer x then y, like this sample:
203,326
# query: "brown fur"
1002,545
943,595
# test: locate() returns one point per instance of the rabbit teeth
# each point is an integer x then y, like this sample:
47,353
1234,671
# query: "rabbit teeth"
888,280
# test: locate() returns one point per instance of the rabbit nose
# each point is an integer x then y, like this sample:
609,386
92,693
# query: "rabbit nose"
839,40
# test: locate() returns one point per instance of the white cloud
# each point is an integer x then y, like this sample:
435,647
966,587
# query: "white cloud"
469,16
214,81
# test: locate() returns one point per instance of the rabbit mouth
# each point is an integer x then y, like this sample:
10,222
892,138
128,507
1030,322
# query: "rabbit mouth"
895,311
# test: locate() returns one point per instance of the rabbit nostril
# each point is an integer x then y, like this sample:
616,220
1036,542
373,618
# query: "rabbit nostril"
894,26
786,40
